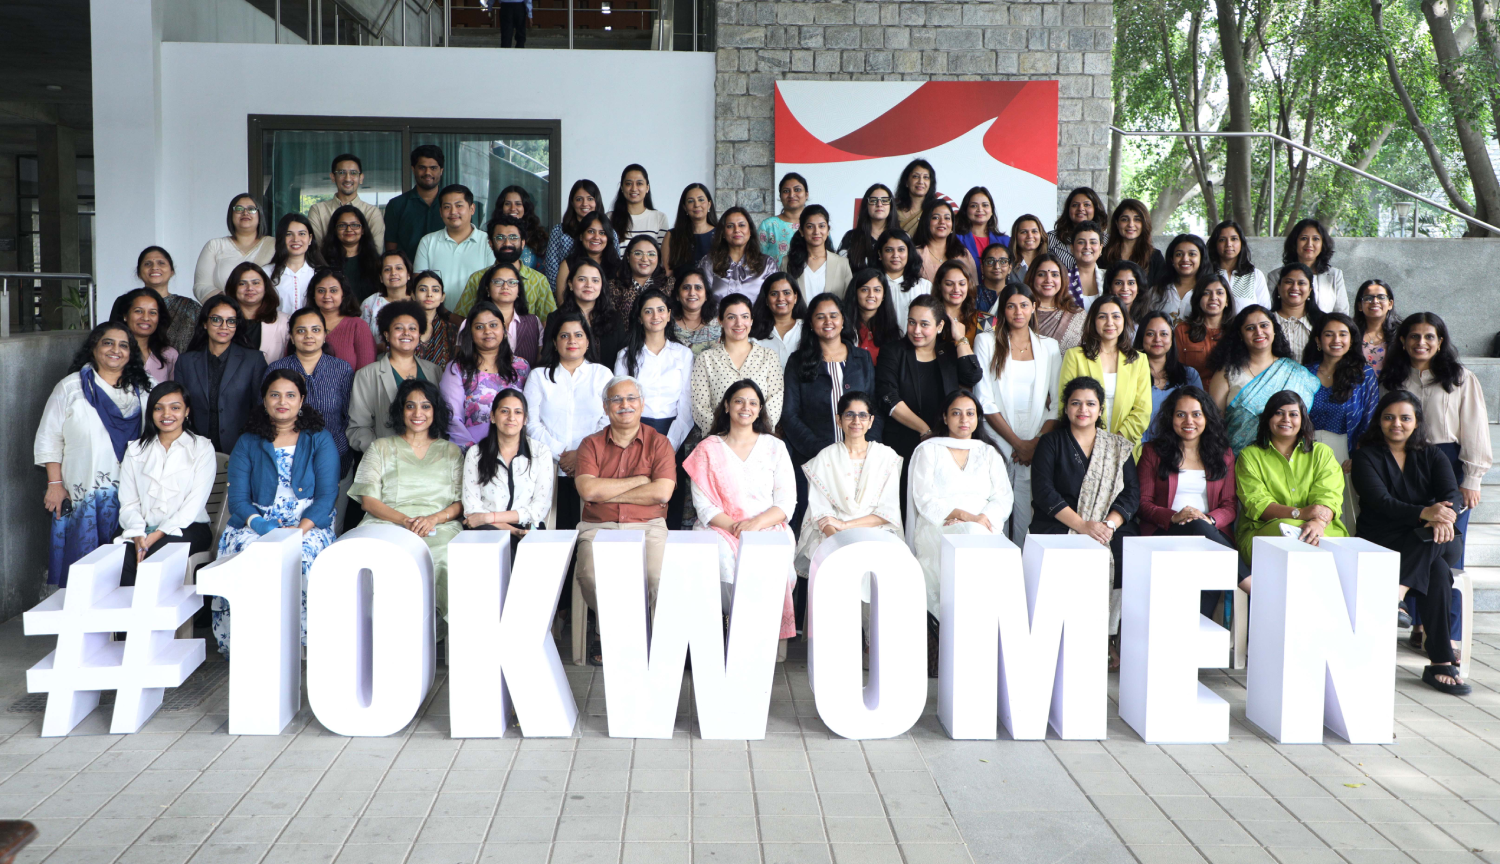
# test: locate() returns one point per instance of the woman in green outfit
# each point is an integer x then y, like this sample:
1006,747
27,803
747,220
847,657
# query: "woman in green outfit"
414,478
1286,477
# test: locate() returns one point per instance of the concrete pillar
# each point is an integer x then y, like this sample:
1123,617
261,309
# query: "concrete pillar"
57,183
126,48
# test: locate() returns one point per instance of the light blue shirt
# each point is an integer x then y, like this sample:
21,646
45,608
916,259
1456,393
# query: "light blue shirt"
455,262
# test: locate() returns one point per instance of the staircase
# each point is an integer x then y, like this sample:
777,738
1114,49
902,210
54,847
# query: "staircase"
1482,550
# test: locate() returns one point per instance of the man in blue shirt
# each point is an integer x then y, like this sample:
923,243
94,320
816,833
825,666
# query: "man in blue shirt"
458,249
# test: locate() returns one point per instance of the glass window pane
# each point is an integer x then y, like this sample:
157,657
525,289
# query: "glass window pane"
487,164
297,166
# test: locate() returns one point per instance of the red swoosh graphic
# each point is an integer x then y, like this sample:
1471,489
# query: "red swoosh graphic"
1024,136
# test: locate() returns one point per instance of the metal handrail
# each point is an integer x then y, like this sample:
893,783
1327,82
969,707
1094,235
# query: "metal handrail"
28,275
1325,157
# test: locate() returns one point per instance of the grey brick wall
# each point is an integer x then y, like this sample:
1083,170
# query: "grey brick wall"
761,42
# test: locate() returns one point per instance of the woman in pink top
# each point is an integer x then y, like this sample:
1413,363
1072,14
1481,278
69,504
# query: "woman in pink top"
349,338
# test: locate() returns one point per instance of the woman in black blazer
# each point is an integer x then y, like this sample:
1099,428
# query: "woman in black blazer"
827,351
222,378
916,374
1408,500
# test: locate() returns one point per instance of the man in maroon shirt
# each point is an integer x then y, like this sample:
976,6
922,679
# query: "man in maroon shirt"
625,477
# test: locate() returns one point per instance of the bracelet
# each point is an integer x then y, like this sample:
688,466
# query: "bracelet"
58,482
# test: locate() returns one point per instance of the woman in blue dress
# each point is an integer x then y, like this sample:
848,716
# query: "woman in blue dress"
1347,392
283,473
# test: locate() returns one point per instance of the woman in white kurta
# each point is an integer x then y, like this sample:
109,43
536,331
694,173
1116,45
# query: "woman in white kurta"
90,417
508,475
1018,394
743,481
957,486
853,483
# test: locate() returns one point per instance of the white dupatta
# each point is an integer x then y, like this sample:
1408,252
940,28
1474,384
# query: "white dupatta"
832,491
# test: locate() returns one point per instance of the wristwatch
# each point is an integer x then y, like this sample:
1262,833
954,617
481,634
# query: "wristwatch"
1296,512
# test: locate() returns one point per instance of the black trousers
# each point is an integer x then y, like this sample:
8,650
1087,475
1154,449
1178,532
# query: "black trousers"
198,536
512,22
1201,528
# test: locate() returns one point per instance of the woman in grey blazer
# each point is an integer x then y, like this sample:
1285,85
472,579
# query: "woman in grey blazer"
222,378
401,325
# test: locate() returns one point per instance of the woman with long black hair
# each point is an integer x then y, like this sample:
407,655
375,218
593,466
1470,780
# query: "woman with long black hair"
1229,255
902,267
1409,500
811,261
1083,205
1187,269
583,199
642,271
1375,310
778,313
735,263
936,242
585,292
144,313
349,247
859,244
295,262
633,213
1198,332
567,388
595,245
1347,392
914,191
1458,424
664,367
1296,309
774,236
508,475
871,310
1130,240
1154,340
1310,244
693,232
485,365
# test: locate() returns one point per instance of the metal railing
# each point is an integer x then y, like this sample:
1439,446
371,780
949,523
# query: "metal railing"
1277,139
86,292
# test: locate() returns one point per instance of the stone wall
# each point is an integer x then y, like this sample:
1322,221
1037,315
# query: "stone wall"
760,43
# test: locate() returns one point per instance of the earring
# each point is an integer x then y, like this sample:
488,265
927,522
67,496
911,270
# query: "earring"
300,411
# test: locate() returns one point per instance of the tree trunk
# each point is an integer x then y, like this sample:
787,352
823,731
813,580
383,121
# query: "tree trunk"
1116,149
1434,158
1237,150
1172,195
1462,104
1333,204
1194,145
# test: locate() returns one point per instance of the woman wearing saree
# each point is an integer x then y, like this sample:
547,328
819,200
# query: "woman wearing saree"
743,481
853,483
414,478
1254,363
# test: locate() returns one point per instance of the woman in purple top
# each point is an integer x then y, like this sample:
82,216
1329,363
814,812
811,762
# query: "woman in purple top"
484,366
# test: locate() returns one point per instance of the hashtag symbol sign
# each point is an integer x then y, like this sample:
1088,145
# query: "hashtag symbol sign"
86,662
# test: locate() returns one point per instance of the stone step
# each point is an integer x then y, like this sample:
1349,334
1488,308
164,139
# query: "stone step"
1482,547
1486,587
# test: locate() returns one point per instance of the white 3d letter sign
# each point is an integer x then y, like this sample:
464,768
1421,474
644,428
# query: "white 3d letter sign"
1023,644
371,645
897,692
85,662
1324,642
263,586
642,682
500,648
1165,640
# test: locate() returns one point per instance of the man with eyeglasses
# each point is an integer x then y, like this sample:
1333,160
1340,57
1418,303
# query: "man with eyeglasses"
625,477
348,175
505,240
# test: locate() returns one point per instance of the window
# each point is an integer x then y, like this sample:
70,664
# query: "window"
290,158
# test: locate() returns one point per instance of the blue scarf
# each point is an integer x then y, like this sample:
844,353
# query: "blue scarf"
122,430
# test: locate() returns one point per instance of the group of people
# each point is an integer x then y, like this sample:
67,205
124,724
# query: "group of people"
928,375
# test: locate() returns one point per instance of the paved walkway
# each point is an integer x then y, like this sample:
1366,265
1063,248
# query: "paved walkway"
184,790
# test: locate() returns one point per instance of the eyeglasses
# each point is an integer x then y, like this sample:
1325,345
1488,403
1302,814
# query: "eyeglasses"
642,253
856,417
347,173
629,399
505,283
221,321
996,261
349,226
879,200
507,238
240,208
1374,298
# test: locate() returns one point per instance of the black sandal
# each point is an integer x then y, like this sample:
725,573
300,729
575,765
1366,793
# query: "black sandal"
1430,677
1417,638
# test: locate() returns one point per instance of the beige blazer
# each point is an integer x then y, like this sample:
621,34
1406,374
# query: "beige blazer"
370,399
836,277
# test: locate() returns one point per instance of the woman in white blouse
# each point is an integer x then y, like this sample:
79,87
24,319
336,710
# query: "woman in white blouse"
508,475
1018,394
903,270
294,263
1309,244
567,388
957,486
247,241
91,416
1229,255
743,481
1295,306
633,212
165,480
664,368
853,483
776,319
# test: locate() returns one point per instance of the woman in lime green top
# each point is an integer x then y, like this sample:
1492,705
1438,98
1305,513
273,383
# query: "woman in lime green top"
1108,356
414,478
1286,477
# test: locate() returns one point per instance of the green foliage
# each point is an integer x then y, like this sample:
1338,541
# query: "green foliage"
1316,69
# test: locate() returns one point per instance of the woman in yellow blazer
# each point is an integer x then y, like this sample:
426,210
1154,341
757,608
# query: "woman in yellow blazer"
1108,356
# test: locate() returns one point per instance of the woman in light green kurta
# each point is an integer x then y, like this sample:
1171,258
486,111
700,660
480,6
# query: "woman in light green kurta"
1286,477
415,478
